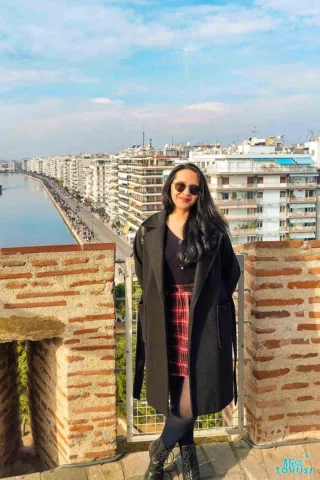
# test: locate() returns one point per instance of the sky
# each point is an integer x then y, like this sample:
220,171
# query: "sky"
82,75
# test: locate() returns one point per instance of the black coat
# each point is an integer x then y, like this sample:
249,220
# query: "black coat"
212,327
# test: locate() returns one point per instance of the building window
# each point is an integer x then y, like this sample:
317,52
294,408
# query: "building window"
282,223
260,224
225,196
283,194
260,210
250,180
225,211
282,237
225,181
259,238
251,239
260,179
283,180
282,209
260,195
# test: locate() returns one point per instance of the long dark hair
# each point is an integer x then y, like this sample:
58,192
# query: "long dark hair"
204,223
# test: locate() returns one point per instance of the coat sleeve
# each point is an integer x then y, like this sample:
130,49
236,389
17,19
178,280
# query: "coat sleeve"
231,272
140,347
230,269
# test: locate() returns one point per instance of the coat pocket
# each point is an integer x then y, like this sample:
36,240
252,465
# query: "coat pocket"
143,320
224,323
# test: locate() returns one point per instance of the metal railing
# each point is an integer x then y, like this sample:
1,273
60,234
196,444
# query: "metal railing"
142,422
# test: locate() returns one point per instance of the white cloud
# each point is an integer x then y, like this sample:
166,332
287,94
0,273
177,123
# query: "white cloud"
293,7
106,101
10,77
215,107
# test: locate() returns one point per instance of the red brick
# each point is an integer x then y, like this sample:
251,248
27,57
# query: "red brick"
16,285
87,330
110,357
291,386
303,428
81,428
89,348
97,434
104,316
280,416
103,337
314,271
278,302
315,340
81,385
299,314
261,374
308,368
308,355
44,263
11,306
314,300
61,273
68,342
279,244
270,344
302,258
91,372
271,314
307,284
75,261
105,395
100,408
66,293
309,326
42,284
99,246
303,414
266,286
73,457
42,249
87,282
109,269
14,264
8,276
305,398
314,243
74,359
277,272
109,305
74,436
106,384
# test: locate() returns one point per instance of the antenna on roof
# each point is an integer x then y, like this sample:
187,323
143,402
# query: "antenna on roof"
172,141
143,139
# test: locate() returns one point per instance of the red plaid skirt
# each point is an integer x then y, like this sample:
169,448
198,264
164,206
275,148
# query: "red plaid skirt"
178,304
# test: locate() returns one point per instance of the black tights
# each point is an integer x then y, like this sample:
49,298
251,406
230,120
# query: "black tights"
180,421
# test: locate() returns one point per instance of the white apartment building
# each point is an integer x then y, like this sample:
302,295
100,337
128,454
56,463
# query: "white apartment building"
263,196
97,181
314,149
8,167
140,188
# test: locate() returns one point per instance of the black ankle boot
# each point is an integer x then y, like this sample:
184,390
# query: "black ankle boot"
159,453
190,465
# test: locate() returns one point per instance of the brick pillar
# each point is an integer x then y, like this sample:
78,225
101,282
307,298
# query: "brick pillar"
60,298
10,432
282,341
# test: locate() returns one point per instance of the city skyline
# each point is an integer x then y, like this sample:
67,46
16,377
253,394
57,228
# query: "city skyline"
88,76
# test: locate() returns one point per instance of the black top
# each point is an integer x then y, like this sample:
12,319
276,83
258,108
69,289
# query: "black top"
173,273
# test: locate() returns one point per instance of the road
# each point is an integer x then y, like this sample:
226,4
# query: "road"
102,233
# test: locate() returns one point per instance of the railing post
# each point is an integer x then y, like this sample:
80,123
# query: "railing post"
129,373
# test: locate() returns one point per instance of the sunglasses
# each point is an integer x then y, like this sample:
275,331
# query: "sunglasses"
180,187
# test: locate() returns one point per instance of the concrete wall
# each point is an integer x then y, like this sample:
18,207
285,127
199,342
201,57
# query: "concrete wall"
60,298
282,342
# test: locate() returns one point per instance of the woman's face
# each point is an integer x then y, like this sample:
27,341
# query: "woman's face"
184,200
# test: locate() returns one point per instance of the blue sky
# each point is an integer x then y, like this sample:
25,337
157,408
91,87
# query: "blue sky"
85,76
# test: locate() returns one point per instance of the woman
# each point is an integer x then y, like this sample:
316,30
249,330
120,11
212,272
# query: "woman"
188,272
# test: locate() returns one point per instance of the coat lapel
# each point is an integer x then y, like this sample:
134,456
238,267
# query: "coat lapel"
154,240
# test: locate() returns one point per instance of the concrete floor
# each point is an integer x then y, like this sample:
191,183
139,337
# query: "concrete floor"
224,460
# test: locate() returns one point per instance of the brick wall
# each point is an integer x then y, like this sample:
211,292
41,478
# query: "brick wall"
282,342
10,440
60,298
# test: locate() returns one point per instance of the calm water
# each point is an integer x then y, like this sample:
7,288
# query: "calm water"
27,215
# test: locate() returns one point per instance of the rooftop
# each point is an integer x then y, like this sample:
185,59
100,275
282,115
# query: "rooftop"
235,460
